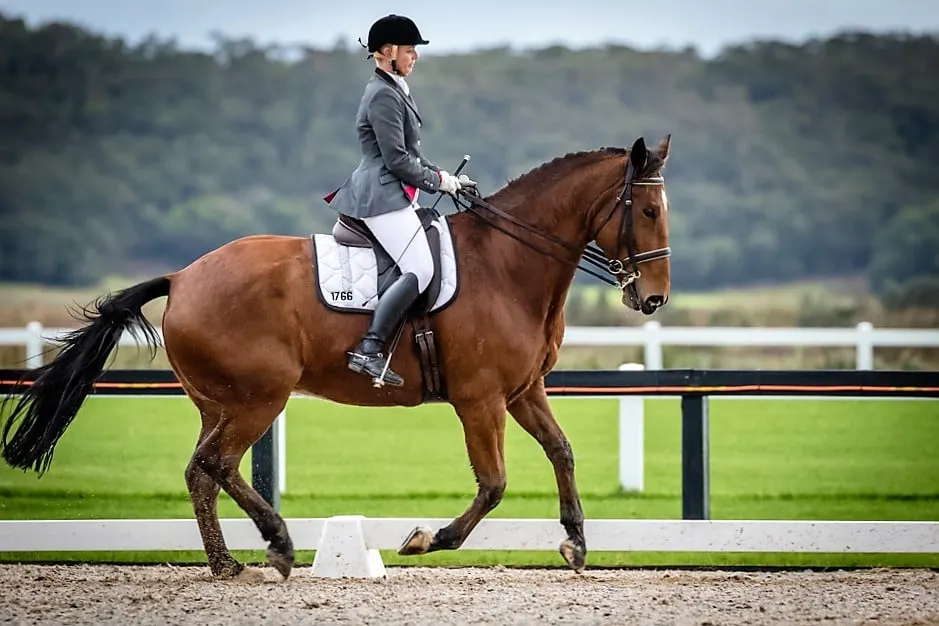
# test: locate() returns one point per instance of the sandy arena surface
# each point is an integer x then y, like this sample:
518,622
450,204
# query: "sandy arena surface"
104,594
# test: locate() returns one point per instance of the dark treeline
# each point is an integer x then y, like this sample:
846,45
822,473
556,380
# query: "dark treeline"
789,161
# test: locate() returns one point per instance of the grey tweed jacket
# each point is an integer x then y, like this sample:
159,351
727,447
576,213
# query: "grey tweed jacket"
388,125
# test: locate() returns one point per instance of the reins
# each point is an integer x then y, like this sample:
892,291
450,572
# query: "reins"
592,254
476,201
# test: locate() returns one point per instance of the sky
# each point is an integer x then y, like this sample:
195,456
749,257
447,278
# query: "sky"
708,25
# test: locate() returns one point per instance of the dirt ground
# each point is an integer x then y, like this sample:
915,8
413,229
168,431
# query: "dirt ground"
104,594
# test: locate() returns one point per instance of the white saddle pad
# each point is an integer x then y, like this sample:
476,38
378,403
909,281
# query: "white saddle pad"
347,277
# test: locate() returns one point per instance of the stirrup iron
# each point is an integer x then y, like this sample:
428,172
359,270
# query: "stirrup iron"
364,363
379,381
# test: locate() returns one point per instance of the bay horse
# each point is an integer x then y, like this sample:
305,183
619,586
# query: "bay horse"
244,328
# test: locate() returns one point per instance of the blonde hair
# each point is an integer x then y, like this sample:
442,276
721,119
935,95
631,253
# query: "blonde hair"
380,57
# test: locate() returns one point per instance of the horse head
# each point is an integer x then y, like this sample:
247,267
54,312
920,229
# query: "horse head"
614,197
633,230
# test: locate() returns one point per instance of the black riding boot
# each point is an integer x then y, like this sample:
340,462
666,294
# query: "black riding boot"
368,357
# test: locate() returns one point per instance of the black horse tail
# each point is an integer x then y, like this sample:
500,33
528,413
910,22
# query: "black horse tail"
47,406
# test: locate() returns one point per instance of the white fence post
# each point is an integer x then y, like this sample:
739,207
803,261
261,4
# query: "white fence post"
653,347
865,346
34,345
631,437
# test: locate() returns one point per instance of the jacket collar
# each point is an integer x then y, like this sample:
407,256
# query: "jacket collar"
394,85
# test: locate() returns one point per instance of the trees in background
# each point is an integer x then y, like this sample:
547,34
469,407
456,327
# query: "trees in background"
789,161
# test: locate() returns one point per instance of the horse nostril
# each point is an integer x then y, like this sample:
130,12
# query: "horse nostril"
655,302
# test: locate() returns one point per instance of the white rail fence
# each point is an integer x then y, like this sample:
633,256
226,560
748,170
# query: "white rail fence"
652,336
347,546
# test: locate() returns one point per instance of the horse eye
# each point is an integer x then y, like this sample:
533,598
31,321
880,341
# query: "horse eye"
649,212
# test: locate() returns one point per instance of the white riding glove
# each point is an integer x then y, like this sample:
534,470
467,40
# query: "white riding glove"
448,182
465,181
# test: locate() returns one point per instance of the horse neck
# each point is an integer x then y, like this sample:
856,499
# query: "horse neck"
562,207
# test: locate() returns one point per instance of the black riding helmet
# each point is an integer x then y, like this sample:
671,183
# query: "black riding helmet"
394,29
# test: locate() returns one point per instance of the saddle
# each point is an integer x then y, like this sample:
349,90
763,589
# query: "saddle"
352,232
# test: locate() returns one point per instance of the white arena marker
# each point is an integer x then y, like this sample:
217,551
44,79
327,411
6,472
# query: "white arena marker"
342,552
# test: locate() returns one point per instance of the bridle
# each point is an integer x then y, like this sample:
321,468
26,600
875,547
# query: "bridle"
592,255
627,279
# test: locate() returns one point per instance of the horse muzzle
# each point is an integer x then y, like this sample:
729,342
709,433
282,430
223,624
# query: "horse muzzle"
652,304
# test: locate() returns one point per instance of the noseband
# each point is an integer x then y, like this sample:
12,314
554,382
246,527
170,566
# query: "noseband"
592,255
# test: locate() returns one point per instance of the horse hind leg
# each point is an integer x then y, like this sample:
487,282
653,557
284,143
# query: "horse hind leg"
484,432
203,492
219,456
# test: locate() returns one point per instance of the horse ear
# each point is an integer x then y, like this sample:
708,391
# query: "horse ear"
663,146
638,154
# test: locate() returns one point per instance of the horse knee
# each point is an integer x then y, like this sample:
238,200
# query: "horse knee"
561,455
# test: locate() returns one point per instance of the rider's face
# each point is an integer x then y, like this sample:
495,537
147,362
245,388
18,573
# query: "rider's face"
405,59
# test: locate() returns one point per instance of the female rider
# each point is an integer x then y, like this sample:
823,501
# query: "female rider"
383,189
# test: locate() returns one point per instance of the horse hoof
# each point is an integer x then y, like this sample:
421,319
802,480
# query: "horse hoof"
283,563
575,555
418,542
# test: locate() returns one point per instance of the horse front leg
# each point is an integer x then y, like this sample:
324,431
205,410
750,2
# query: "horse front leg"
533,413
484,432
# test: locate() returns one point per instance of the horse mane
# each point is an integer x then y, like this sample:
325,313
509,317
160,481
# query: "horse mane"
549,169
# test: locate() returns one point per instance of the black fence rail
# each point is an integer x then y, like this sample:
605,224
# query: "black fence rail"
693,386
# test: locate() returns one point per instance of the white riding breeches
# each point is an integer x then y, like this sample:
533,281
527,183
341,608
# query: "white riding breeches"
401,234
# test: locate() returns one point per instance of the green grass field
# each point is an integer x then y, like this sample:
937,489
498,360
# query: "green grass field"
770,459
